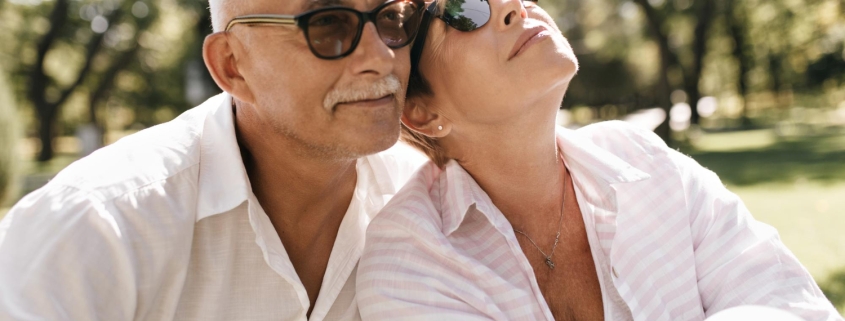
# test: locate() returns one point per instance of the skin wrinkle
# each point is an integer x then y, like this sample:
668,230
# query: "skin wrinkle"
314,4
290,39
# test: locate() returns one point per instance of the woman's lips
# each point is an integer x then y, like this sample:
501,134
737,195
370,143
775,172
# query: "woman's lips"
529,38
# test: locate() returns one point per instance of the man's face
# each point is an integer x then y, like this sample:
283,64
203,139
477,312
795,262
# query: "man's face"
347,107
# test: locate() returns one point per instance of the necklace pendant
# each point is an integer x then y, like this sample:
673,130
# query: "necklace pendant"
550,263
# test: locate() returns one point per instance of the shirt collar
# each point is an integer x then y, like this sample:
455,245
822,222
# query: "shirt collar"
590,159
459,192
223,182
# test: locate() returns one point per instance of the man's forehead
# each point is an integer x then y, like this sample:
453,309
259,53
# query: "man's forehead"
359,4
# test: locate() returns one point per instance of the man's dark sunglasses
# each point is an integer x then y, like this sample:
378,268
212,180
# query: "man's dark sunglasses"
334,32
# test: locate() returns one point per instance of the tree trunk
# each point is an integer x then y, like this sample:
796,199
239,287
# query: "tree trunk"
737,29
775,70
663,92
46,128
693,79
39,81
664,88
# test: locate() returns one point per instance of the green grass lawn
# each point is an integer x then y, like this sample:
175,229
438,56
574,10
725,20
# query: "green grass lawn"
809,218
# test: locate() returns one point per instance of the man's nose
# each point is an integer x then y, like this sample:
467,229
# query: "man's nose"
372,56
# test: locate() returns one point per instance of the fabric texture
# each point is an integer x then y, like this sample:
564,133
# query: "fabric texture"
669,242
163,225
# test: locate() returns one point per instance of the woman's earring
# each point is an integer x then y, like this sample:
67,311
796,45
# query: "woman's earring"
439,127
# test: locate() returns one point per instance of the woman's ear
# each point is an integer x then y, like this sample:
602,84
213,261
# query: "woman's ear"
222,63
419,118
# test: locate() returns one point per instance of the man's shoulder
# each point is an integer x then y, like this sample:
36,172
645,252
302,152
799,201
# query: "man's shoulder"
148,156
115,196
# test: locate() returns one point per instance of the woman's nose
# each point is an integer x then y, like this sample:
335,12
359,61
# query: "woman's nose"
507,12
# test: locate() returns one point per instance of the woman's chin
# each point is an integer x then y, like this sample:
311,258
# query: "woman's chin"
566,56
559,66
564,61
569,69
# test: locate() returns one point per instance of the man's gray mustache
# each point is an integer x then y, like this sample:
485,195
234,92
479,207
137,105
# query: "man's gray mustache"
356,92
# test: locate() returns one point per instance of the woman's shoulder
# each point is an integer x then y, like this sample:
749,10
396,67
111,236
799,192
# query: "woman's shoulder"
619,137
638,147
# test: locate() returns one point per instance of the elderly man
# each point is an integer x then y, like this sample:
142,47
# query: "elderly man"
252,206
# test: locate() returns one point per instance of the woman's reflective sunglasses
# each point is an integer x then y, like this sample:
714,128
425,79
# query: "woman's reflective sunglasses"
334,32
464,15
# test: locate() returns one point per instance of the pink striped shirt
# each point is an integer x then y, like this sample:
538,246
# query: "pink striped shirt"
676,243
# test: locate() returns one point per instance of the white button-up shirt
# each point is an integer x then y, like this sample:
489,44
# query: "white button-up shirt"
669,242
163,225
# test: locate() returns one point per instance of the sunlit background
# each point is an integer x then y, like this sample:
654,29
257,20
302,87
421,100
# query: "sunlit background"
752,89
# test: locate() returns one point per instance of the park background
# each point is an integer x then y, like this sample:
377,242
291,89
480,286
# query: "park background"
752,89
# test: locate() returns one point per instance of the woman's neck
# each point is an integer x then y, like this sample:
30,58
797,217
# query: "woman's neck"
516,163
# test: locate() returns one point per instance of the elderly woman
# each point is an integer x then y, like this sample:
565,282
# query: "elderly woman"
517,219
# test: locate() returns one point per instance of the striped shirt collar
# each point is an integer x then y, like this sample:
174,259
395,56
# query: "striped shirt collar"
459,192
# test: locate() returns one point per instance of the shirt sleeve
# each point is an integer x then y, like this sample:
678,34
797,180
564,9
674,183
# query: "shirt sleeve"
402,277
740,261
62,258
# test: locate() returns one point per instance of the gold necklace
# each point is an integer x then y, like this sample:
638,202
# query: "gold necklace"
548,258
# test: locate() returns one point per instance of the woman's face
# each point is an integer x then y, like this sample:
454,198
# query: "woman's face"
518,59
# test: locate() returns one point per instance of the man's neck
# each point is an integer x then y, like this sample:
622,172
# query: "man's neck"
304,194
289,182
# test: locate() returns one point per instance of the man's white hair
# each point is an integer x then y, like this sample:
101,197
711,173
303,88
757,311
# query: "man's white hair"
221,13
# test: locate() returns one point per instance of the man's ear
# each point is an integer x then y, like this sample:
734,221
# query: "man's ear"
419,118
222,63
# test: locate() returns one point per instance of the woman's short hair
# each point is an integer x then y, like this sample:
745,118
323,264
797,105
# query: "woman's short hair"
419,87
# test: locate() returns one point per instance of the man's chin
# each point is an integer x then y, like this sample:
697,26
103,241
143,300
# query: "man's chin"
374,143
371,133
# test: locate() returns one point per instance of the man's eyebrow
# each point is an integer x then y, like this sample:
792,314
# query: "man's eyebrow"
316,4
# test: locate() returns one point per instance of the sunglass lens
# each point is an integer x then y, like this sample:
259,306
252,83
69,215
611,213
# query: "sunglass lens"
398,23
466,15
332,33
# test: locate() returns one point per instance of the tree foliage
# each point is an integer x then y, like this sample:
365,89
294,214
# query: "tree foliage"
133,63
8,139
752,55
129,58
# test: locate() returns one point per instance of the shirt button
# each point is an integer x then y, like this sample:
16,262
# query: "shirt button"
613,269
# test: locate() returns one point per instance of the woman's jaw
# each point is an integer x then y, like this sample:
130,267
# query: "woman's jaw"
507,78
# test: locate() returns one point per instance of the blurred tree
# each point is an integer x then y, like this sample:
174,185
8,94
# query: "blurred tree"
128,64
121,59
8,137
614,75
44,92
742,52
168,75
828,66
667,60
703,13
